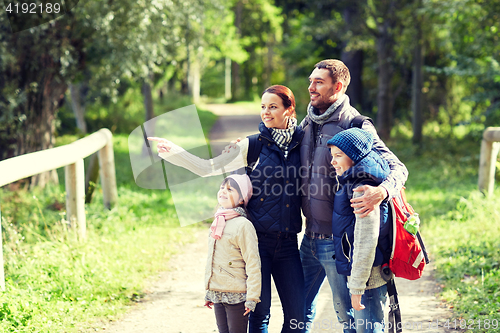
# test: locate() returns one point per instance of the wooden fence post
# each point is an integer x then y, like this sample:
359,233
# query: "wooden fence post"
107,172
71,157
490,147
75,197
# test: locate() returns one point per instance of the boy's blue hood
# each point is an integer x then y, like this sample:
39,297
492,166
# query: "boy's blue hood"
372,166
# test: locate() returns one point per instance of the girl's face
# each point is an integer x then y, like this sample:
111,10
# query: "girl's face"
228,197
340,161
273,113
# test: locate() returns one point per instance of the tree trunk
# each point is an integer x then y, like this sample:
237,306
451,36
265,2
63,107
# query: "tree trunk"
353,59
236,82
188,57
235,70
78,105
384,114
196,78
148,100
248,75
185,80
269,64
417,80
227,81
40,130
148,106
40,91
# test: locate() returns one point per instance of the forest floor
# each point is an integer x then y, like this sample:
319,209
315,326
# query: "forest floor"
174,301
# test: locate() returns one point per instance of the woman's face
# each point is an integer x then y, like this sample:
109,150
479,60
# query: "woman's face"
273,113
228,197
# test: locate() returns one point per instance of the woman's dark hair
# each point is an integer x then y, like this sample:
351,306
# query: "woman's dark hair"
233,184
286,96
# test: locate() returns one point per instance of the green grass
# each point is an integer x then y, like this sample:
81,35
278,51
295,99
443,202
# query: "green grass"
56,283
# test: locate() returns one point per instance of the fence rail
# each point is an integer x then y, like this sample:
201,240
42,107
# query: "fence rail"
71,157
490,147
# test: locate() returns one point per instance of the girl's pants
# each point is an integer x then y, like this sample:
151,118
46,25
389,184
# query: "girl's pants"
230,318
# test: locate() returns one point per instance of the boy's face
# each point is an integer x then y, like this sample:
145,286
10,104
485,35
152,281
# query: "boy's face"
340,161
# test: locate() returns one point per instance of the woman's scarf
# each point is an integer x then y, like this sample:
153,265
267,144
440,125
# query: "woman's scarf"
221,216
283,137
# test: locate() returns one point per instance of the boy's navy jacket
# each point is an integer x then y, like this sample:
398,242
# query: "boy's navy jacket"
276,201
371,170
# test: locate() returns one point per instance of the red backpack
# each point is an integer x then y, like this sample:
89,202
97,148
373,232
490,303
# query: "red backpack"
408,256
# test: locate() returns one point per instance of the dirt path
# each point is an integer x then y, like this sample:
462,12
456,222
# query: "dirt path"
175,304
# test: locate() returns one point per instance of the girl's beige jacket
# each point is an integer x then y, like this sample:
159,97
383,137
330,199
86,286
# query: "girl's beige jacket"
233,263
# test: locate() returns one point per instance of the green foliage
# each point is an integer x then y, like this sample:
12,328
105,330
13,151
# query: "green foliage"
124,115
467,34
467,251
102,45
259,25
460,226
56,283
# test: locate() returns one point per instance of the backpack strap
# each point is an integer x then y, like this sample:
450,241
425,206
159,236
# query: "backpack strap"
254,149
424,251
394,310
359,120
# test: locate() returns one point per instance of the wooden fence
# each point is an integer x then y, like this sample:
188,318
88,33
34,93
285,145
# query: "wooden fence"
490,148
71,157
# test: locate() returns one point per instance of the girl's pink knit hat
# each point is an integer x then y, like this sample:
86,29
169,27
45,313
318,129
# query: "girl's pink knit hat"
245,185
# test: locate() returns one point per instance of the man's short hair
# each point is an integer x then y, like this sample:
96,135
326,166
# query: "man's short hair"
338,71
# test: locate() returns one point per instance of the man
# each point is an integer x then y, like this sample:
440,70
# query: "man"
328,113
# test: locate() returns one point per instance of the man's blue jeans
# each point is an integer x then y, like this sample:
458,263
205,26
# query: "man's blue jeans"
279,256
317,262
371,318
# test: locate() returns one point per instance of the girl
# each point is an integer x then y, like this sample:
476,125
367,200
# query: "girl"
274,208
232,275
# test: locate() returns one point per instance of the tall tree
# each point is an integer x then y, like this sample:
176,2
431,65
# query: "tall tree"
111,39
32,88
78,94
469,32
417,81
351,56
259,26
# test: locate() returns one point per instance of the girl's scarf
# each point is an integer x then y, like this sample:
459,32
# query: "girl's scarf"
283,137
221,216
322,118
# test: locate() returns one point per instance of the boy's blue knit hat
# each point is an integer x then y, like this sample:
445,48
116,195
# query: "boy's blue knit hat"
354,142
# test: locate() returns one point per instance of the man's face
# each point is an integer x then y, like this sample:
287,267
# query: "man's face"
321,89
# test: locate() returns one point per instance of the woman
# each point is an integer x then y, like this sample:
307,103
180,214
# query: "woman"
274,208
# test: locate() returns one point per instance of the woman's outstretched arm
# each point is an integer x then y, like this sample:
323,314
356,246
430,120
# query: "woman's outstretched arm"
233,160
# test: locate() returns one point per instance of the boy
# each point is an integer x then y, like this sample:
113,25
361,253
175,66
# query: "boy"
360,242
